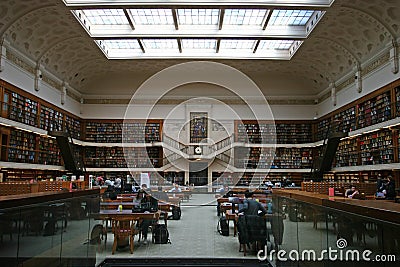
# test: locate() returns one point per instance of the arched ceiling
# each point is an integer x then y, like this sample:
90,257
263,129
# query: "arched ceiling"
350,33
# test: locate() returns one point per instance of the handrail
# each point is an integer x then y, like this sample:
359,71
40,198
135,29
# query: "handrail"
174,143
224,142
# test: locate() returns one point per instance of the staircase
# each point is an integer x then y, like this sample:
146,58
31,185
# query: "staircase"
65,143
327,153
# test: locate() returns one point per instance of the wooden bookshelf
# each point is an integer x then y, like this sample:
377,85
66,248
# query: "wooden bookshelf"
141,157
22,109
22,147
293,133
377,148
134,131
21,106
255,132
293,158
268,132
347,153
397,100
322,128
220,179
19,175
49,152
74,126
274,177
51,119
103,132
345,120
374,110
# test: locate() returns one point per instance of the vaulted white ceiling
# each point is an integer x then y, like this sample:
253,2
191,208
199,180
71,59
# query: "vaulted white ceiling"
347,35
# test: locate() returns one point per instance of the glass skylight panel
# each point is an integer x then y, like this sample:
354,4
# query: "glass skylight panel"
250,17
198,29
160,44
198,16
152,16
121,44
290,17
275,44
106,16
237,44
200,44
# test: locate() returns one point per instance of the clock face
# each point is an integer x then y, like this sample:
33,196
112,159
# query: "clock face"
197,150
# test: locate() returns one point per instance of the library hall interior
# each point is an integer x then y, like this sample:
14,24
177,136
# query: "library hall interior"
200,133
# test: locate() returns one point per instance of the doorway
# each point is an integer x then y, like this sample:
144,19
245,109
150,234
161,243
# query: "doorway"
198,173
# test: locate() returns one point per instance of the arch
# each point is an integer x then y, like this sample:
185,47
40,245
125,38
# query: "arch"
342,47
54,45
35,8
373,17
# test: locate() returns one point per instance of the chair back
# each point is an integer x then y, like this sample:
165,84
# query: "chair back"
124,227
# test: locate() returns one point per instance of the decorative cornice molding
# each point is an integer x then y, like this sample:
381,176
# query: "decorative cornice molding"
19,62
370,66
177,101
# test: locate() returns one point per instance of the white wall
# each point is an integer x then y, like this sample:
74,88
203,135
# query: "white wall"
279,112
25,80
370,83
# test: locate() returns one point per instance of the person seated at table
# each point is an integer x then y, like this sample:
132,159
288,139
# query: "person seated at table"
108,182
351,192
175,189
160,194
269,189
146,200
143,187
251,206
118,185
110,193
390,188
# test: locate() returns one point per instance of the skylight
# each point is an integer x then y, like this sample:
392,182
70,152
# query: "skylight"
106,16
240,17
120,44
275,44
198,16
237,44
160,44
152,16
199,44
199,29
290,17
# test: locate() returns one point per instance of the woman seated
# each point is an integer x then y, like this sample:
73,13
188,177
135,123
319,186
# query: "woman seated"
151,205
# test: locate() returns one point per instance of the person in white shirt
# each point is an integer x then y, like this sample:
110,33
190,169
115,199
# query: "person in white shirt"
175,189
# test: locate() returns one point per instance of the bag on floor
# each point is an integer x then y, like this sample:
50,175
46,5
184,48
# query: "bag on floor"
96,234
223,227
161,234
50,228
176,213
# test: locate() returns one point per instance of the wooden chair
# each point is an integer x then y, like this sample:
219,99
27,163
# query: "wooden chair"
123,229
252,229
155,220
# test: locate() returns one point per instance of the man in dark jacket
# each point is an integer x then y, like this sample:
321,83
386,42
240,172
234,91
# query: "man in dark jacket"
252,225
390,188
251,206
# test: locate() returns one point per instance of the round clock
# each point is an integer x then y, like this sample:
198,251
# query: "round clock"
198,150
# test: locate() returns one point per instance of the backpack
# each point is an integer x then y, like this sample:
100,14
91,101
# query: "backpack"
176,212
223,227
96,234
161,234
50,228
